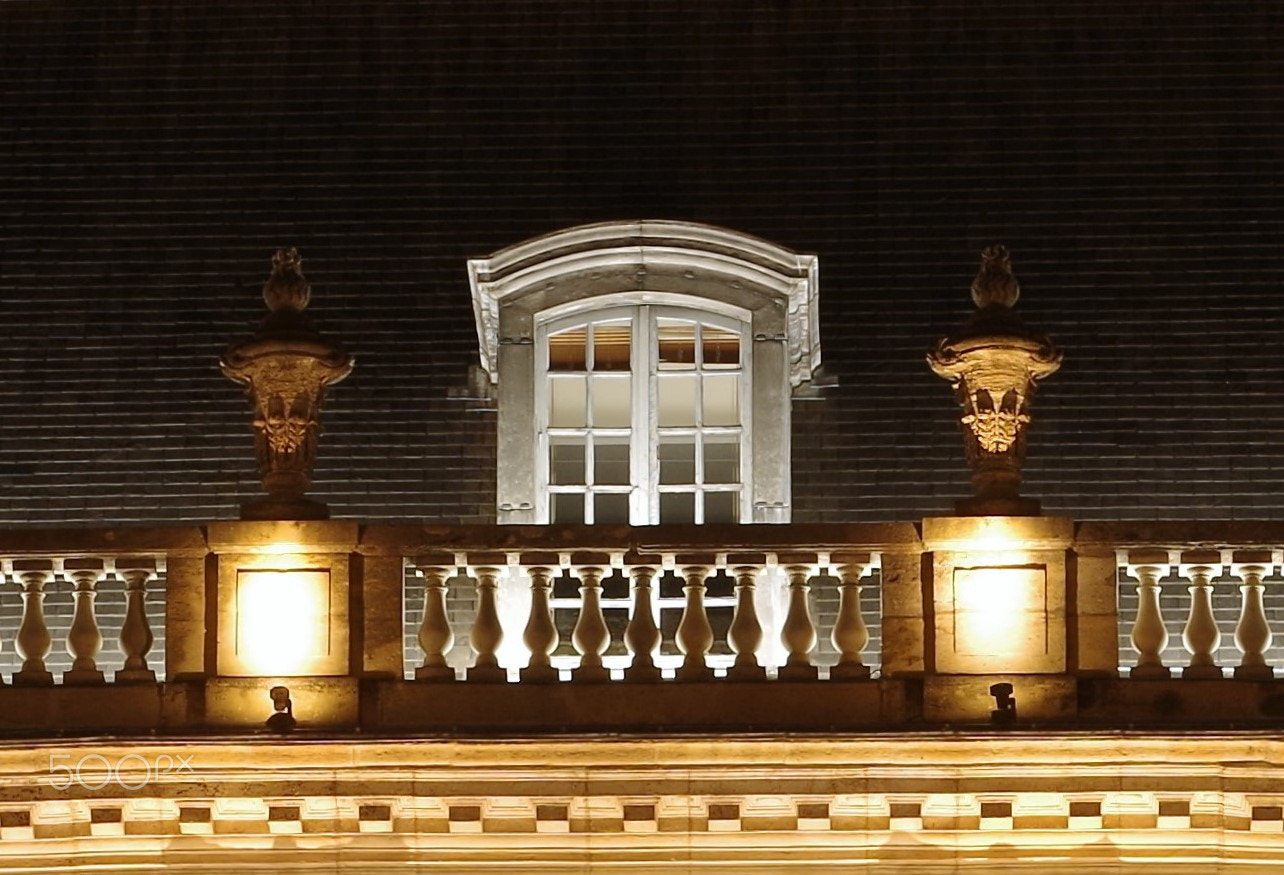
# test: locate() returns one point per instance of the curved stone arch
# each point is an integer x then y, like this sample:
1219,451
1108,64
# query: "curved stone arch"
778,286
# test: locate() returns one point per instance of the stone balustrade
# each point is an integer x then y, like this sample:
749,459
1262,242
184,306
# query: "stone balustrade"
415,628
595,617
82,620
1203,612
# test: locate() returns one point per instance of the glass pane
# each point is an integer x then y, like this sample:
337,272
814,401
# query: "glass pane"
677,397
568,507
567,402
611,508
677,462
676,340
721,399
720,618
565,619
610,463
566,350
566,463
611,346
565,586
720,347
721,461
677,507
721,507
617,620
612,397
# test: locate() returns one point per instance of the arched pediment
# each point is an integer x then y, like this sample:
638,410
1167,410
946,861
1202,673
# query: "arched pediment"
640,258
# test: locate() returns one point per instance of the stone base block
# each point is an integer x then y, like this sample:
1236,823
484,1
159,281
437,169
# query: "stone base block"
967,698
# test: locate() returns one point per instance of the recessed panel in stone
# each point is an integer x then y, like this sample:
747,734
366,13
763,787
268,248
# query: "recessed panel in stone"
1001,611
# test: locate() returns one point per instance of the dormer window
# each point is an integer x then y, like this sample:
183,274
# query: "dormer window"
639,416
643,373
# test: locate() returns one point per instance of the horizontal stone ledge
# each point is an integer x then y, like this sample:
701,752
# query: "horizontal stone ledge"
241,706
1180,535
669,706
818,537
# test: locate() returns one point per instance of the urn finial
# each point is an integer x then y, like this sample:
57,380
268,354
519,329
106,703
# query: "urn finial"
993,364
286,368
995,286
286,288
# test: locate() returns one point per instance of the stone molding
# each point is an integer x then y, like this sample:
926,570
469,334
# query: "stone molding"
659,256
1058,799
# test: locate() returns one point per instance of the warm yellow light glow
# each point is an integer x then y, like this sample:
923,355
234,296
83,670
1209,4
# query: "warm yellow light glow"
283,548
1000,611
282,620
994,533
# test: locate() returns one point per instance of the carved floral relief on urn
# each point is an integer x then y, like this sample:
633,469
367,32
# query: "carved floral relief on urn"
285,368
994,364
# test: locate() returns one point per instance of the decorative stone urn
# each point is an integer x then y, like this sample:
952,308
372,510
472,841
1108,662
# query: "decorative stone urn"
286,367
994,363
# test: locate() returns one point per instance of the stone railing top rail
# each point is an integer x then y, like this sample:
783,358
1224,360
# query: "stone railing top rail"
409,539
413,539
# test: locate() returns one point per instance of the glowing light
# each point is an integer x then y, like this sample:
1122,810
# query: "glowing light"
282,620
283,548
994,533
1000,611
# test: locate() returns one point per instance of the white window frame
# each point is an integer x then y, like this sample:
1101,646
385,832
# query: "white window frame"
644,430
699,267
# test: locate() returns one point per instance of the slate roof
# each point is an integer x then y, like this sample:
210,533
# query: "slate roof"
153,154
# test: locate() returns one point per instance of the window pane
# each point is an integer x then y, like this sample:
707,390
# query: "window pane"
566,350
677,462
720,347
611,401
721,507
567,402
721,399
610,463
611,508
565,619
677,507
568,507
566,463
611,346
676,340
617,620
677,397
721,461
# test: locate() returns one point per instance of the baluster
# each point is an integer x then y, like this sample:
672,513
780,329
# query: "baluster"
487,633
136,637
1253,631
540,635
850,635
590,636
798,633
33,642
1149,634
744,637
1201,637
435,635
695,635
84,640
642,636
